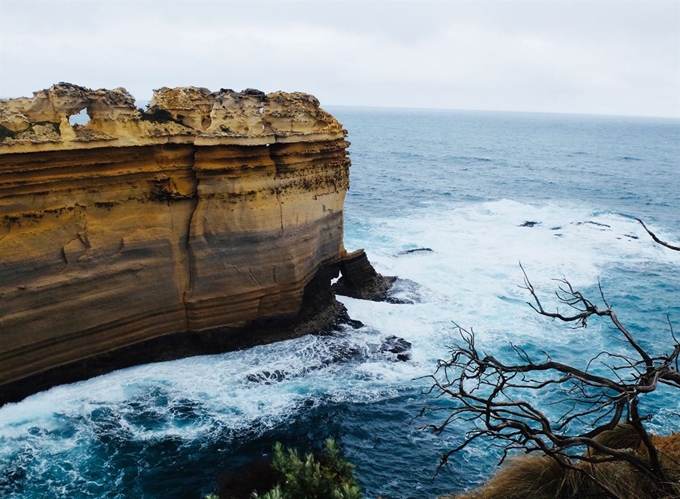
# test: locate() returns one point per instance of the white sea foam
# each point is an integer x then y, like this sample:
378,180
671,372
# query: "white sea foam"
471,277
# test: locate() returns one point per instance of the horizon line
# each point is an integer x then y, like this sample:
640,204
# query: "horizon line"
445,109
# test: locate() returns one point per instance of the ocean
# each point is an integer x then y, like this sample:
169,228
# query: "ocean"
461,184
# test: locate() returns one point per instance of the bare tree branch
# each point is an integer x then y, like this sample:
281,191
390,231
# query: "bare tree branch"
491,394
656,239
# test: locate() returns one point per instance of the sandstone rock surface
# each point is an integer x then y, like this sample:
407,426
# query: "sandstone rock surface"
197,225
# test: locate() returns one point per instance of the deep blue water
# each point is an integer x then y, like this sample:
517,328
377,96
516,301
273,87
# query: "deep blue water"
460,183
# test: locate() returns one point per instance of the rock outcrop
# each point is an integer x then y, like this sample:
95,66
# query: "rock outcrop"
209,221
360,280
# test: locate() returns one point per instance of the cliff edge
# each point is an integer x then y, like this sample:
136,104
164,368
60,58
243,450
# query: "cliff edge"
209,221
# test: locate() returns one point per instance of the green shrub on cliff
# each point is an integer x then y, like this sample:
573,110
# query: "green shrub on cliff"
304,477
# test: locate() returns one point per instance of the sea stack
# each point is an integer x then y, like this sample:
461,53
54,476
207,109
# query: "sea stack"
208,222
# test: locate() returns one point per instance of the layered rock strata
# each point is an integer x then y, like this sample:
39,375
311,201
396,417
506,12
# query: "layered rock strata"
210,221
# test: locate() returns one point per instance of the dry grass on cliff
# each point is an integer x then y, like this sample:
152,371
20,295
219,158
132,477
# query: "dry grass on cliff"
540,477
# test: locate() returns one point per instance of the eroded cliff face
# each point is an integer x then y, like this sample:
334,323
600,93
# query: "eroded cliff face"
194,226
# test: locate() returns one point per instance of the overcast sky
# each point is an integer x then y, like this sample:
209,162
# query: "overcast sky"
595,56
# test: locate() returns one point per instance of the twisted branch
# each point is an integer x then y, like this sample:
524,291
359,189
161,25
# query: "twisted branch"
656,239
486,391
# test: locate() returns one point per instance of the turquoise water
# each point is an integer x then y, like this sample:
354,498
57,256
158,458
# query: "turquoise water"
460,183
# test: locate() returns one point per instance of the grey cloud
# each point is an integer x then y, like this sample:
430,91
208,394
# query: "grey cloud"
565,56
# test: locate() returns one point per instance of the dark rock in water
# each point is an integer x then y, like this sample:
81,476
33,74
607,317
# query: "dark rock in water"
404,292
321,313
267,377
345,352
360,280
594,223
530,223
338,348
398,346
417,250
355,324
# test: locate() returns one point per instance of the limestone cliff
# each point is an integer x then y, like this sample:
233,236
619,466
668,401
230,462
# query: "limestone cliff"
197,225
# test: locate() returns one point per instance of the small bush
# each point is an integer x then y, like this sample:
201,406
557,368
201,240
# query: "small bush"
330,477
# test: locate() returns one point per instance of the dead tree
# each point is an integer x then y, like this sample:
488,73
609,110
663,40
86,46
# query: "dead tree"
491,394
